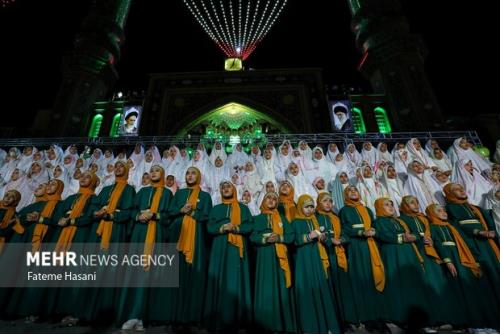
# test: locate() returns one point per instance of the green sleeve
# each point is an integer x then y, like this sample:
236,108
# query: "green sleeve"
87,216
347,219
385,233
259,228
301,234
217,218
164,209
288,232
457,213
444,252
123,214
203,207
246,225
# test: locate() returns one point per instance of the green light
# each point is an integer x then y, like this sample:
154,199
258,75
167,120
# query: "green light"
115,125
233,64
384,126
96,126
357,120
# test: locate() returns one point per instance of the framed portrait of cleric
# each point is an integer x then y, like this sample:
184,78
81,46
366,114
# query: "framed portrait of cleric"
340,115
129,123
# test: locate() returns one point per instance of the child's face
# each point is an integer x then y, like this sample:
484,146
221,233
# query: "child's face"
308,210
246,197
327,205
170,181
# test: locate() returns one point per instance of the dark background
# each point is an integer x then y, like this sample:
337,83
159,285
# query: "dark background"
161,36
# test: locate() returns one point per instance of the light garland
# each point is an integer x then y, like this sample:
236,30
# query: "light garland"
236,26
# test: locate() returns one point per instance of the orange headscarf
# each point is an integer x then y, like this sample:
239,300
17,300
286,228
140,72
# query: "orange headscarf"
380,212
305,200
40,228
149,243
105,228
337,228
10,212
466,257
405,208
277,225
451,198
235,218
68,232
288,203
378,270
188,229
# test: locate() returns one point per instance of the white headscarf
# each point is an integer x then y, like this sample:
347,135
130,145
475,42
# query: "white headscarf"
218,153
371,155
25,161
323,167
468,154
496,156
475,185
401,160
237,159
269,169
385,156
251,180
332,154
300,184
369,188
418,154
307,153
443,164
354,157
394,187
422,186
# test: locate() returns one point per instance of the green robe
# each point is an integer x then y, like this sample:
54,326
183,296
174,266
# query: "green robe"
460,215
367,300
313,292
228,300
10,236
404,292
66,299
186,303
100,302
274,303
444,292
145,303
339,278
29,301
479,304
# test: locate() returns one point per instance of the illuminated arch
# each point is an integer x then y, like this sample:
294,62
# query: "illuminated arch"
95,126
235,115
115,125
384,126
357,121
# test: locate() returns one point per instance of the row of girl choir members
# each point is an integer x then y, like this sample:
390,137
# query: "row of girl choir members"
315,272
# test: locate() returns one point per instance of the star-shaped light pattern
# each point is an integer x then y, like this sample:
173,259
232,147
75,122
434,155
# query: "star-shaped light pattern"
236,26
5,3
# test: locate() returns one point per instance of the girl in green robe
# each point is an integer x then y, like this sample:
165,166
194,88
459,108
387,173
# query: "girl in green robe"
114,205
274,303
442,290
481,306
316,310
478,231
150,217
228,301
366,270
9,226
337,255
404,292
39,224
75,217
189,212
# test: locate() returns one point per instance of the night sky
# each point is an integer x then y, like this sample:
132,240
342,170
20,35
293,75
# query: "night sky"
161,36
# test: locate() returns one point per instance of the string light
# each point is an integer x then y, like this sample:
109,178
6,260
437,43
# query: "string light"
5,3
236,26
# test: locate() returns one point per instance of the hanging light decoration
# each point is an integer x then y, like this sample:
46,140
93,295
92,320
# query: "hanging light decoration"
236,26
5,3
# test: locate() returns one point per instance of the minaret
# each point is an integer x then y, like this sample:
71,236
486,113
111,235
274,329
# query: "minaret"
89,70
393,61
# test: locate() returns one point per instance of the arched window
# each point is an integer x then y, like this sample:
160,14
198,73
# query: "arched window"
357,121
115,125
384,126
96,126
